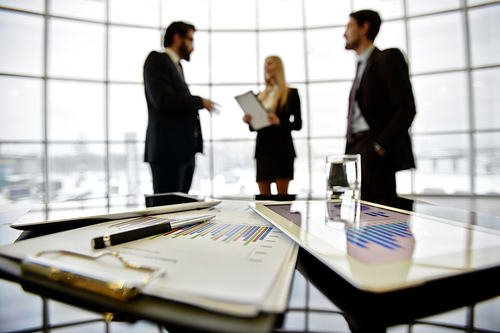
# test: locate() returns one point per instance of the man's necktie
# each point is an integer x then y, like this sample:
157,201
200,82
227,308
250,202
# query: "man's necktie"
352,102
181,71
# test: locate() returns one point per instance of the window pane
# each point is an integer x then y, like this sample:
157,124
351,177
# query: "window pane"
320,149
320,13
486,85
76,49
78,169
229,123
24,57
487,175
229,14
128,66
133,12
202,184
184,12
129,175
128,113
386,9
476,2
417,7
21,172
392,34
21,102
241,65
328,113
303,133
403,182
442,164
289,46
82,9
30,5
327,58
484,27
437,43
280,14
234,168
442,103
72,114
300,183
197,70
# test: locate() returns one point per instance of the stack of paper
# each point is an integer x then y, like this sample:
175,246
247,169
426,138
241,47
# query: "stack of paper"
237,263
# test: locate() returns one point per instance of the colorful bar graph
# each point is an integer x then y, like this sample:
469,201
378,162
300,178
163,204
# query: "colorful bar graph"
225,233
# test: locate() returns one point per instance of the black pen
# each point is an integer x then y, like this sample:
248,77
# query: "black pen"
134,234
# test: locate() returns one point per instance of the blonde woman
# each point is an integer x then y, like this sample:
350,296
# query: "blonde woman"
274,150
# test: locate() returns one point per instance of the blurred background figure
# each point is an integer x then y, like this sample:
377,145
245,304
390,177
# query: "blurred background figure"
274,150
381,107
173,136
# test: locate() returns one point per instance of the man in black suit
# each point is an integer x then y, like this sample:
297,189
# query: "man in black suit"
173,135
381,107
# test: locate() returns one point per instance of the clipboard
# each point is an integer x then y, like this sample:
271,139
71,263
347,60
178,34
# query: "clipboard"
253,107
117,287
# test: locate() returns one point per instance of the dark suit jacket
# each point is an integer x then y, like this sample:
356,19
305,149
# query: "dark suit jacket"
386,101
276,141
174,131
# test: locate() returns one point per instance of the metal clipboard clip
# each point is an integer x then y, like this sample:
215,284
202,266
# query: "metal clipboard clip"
87,278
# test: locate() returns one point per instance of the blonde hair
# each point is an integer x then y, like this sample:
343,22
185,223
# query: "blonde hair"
281,95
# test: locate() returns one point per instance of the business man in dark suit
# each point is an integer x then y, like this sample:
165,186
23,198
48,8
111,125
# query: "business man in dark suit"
173,135
381,107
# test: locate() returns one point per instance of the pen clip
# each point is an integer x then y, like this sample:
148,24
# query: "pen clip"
87,279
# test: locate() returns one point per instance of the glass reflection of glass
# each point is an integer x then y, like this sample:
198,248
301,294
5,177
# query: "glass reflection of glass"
486,85
21,42
144,12
78,169
128,66
76,49
443,164
484,27
223,66
21,101
437,43
487,164
128,113
75,110
82,9
442,101
21,173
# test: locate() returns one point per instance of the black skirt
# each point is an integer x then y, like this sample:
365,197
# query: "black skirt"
270,169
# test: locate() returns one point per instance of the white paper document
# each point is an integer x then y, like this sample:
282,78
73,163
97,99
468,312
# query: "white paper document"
252,106
237,263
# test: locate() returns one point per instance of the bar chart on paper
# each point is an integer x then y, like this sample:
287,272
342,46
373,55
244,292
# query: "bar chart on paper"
243,234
